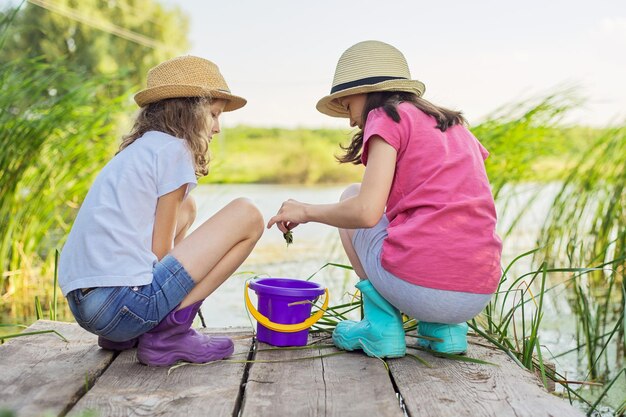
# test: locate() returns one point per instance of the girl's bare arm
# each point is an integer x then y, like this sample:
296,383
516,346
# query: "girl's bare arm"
164,230
361,211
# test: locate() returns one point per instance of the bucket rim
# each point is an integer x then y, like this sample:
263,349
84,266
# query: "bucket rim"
263,286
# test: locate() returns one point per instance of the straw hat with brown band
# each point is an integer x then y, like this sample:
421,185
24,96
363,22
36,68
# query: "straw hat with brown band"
187,76
365,68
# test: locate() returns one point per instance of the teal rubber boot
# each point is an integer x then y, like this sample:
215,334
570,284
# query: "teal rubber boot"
453,336
380,334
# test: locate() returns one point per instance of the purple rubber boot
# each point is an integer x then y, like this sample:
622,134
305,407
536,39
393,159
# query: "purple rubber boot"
173,340
117,346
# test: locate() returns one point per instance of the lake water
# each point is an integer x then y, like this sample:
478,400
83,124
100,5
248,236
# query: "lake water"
314,245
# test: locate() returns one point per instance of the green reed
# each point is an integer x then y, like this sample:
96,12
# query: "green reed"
53,312
586,221
519,134
56,132
587,224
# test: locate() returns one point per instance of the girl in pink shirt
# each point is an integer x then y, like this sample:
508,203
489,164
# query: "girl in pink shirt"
420,228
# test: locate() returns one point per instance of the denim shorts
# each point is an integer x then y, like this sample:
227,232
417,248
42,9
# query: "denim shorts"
421,303
122,313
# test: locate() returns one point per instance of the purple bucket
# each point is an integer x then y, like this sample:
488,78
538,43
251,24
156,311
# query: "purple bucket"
276,298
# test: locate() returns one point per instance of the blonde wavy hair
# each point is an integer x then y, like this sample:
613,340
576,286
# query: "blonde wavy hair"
185,118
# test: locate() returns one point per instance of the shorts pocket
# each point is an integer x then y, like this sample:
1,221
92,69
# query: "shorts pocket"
125,325
93,307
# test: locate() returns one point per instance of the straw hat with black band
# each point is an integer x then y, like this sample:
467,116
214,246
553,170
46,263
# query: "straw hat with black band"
367,67
187,76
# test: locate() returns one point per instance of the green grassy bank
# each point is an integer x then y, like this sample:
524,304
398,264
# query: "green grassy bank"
245,154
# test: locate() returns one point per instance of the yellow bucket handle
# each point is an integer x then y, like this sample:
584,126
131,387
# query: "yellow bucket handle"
285,328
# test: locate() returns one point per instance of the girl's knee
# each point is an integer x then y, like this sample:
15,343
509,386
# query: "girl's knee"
248,212
351,191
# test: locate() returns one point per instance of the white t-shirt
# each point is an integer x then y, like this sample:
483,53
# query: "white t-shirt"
110,243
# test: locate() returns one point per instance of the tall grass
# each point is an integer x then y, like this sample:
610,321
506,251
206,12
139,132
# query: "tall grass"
52,145
519,134
586,225
587,220
512,321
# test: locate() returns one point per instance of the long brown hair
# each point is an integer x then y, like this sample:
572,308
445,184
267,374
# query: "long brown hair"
185,118
389,101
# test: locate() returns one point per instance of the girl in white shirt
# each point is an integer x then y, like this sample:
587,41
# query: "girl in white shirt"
128,270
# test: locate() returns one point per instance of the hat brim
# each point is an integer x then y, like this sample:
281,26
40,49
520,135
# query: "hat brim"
330,106
150,95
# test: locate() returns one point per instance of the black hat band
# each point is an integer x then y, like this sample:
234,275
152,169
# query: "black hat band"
363,81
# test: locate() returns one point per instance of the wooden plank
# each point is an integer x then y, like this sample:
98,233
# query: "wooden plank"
130,388
452,387
43,375
342,385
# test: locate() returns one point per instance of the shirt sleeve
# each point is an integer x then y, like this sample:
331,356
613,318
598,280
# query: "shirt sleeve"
175,168
483,151
379,124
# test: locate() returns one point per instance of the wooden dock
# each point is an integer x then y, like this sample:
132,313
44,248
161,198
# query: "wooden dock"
44,375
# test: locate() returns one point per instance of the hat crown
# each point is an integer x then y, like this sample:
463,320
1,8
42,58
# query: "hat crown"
370,59
187,70
187,76
368,67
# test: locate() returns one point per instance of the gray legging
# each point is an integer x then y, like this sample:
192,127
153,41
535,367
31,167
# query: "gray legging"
420,303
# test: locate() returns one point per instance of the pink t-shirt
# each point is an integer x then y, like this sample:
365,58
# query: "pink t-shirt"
441,213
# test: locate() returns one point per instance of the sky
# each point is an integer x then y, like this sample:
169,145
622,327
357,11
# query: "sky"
474,56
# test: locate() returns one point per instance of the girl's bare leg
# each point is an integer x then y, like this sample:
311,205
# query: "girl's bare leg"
346,235
215,250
